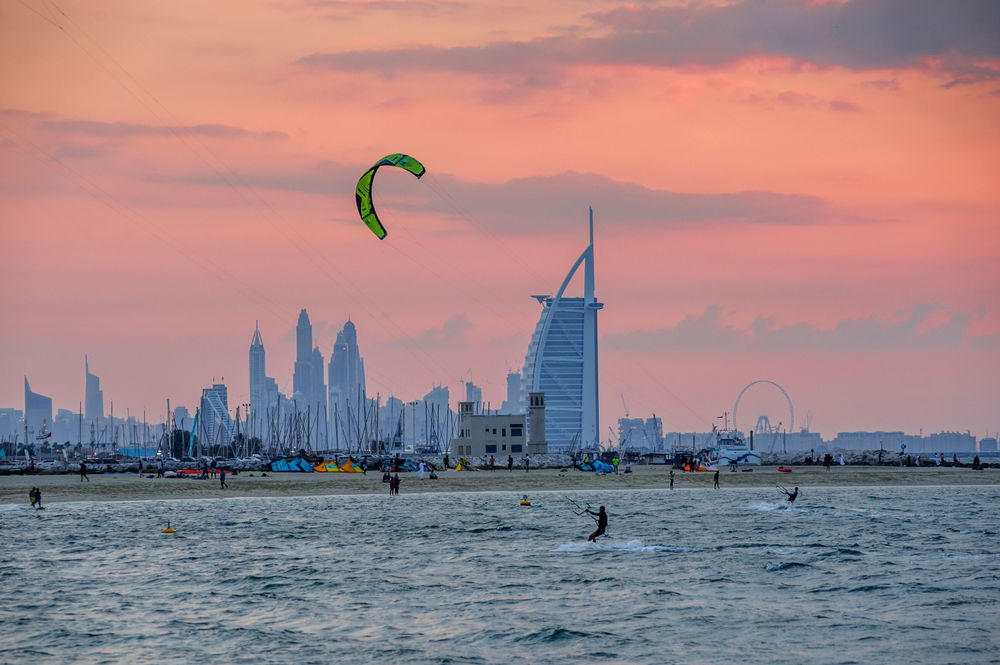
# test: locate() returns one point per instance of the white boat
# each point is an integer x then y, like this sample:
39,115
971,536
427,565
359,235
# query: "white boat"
731,448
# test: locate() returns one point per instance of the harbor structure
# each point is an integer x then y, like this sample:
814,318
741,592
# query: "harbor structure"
562,360
500,434
37,410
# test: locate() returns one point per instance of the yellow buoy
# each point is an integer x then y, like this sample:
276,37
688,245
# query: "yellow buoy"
524,500
168,529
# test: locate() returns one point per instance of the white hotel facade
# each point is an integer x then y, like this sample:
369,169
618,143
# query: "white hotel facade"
562,361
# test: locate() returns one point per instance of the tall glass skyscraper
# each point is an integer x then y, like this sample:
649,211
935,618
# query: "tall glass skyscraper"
37,409
94,396
562,361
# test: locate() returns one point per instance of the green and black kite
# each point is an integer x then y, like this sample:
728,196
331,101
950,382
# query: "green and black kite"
363,192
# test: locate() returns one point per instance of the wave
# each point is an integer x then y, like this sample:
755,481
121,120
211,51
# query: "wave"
786,565
11,507
619,546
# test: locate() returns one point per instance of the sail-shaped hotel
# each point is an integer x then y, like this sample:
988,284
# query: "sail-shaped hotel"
562,361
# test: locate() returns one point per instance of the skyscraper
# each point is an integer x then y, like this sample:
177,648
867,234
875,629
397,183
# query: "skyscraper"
562,360
474,394
301,378
37,409
258,373
93,395
216,427
309,389
513,402
346,385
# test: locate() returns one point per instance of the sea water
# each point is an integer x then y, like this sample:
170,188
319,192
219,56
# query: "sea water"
845,575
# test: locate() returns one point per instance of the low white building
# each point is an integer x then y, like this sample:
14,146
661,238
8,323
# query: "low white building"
500,434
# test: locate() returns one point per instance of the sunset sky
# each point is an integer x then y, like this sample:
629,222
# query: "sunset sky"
801,191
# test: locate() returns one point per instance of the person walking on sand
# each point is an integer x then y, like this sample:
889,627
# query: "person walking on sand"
510,462
159,468
83,472
602,524
527,463
716,478
222,479
671,478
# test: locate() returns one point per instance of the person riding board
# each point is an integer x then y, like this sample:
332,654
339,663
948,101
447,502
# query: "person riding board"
792,496
602,523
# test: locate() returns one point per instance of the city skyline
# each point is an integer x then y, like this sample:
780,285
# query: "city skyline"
821,214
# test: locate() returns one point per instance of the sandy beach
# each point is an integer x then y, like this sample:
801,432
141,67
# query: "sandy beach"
131,487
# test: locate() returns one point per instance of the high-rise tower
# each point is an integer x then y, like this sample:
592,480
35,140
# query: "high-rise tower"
37,409
93,395
258,373
562,361
301,378
346,385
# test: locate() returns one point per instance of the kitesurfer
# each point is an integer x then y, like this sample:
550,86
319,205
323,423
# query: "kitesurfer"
671,478
792,496
602,523
36,497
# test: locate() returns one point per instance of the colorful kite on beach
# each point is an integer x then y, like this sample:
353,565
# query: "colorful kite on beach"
363,192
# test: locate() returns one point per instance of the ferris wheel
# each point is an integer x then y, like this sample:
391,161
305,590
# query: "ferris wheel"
788,400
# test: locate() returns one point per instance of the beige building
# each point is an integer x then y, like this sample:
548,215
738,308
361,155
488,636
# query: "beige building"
501,434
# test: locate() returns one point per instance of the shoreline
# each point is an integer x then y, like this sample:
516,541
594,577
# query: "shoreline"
133,487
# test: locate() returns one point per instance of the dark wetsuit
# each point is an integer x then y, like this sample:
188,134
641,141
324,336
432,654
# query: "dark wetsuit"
602,525
792,496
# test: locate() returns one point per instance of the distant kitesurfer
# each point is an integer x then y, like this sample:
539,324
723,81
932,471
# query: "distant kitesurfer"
716,478
602,523
36,497
671,478
792,496
222,479
83,472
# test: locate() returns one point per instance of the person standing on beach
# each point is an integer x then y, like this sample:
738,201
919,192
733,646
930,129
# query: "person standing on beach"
510,462
394,485
527,463
493,463
671,478
602,523
716,478
159,468
222,479
83,472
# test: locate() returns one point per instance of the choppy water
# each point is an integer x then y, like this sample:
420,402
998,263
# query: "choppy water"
848,575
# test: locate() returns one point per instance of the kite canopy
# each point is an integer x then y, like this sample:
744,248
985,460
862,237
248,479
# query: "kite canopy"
363,192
